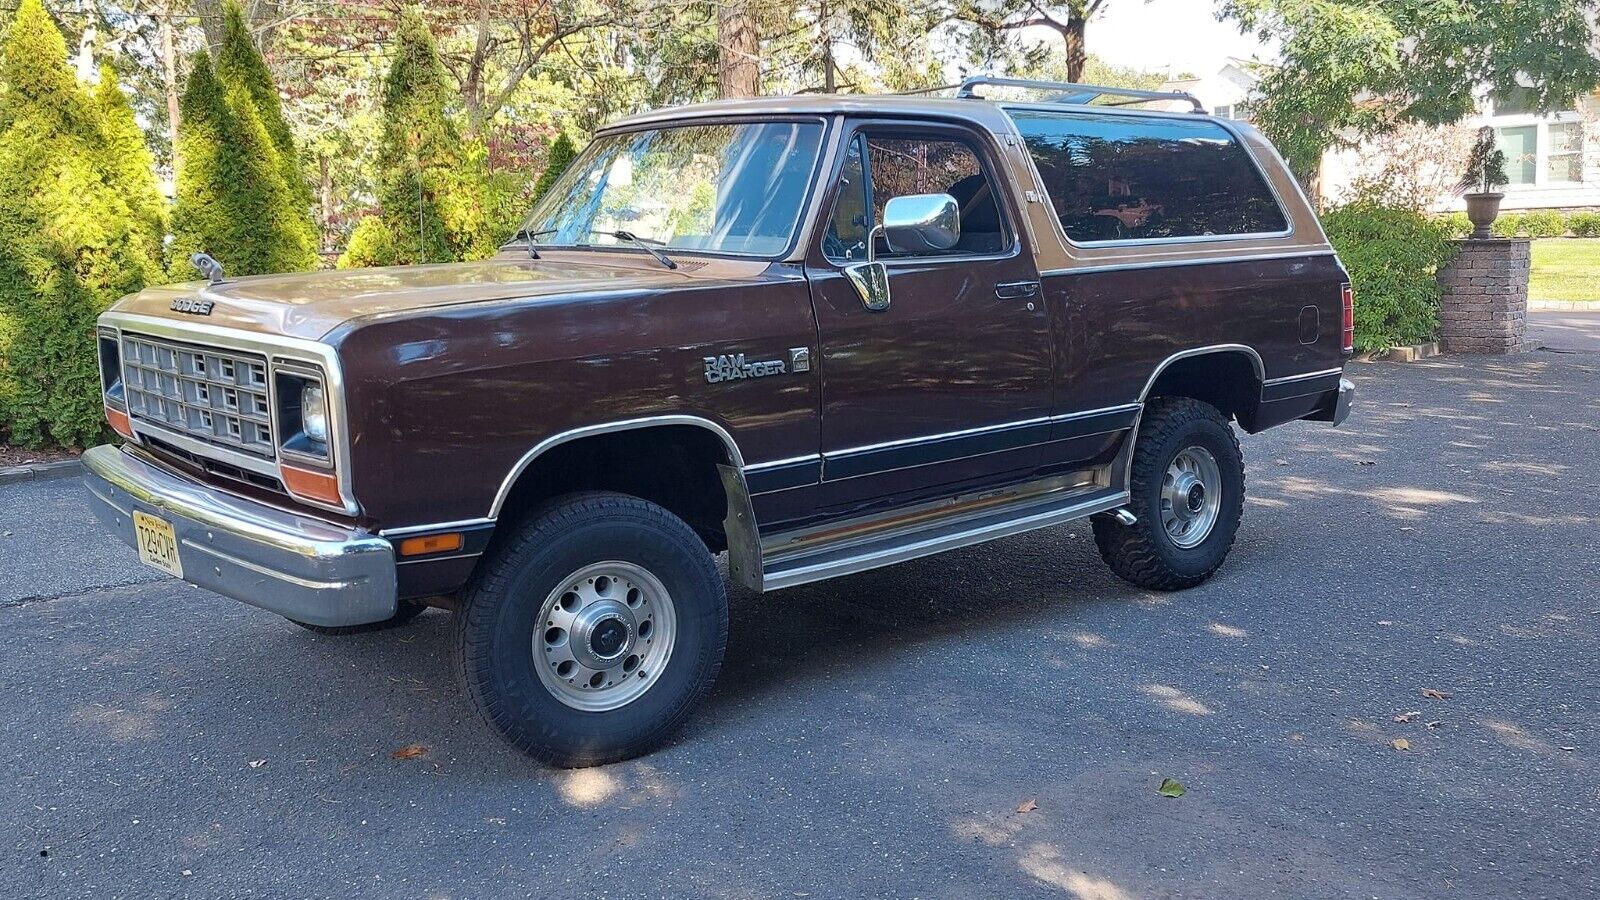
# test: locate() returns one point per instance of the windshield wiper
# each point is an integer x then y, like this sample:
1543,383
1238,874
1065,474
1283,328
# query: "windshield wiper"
642,244
527,236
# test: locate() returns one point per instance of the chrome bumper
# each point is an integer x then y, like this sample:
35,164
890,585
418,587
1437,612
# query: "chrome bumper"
1341,404
293,565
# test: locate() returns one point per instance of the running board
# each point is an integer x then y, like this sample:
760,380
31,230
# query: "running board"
926,532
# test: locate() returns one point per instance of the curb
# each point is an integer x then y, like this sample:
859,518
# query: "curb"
49,471
1413,353
1567,305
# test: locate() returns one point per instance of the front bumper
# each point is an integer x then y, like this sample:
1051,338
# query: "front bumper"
297,566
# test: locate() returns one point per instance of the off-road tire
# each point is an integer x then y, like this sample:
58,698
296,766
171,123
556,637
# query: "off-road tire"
495,628
1143,553
404,612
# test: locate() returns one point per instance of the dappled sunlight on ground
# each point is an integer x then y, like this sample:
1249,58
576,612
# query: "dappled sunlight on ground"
1230,631
1045,863
1176,700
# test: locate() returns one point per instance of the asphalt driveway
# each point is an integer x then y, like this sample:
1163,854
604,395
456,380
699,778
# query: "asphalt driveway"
1426,574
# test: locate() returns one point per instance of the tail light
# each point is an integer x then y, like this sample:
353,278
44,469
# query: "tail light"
1347,336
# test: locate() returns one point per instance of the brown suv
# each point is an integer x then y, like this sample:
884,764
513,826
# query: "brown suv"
820,334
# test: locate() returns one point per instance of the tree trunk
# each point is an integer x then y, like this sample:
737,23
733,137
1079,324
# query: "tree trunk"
326,201
738,52
169,82
1072,39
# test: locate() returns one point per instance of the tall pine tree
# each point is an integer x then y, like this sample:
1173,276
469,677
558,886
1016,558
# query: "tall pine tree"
239,63
233,201
129,167
68,247
432,183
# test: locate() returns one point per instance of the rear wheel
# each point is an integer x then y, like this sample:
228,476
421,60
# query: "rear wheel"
1187,491
593,631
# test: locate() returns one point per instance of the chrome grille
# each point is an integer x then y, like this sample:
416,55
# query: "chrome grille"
212,395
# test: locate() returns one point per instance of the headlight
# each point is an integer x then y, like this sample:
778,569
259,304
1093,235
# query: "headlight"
314,413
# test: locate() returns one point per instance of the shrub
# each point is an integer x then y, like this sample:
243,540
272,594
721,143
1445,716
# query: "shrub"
70,244
371,244
1584,224
559,156
1544,223
239,64
432,183
232,200
1393,255
1509,225
1456,225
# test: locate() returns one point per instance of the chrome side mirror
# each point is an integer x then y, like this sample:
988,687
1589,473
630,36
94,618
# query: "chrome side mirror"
922,223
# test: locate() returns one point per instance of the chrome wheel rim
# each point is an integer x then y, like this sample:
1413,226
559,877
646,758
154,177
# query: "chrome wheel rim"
1191,497
604,636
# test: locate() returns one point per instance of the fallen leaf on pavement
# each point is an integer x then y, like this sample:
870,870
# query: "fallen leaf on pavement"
1170,788
1435,723
410,751
257,763
1432,694
1027,806
1406,717
1569,749
1401,744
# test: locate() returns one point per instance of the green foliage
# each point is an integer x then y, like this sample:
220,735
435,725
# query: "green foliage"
233,202
1584,224
1544,223
371,244
1456,225
1355,68
72,240
1509,225
1393,255
559,157
239,63
432,182
129,166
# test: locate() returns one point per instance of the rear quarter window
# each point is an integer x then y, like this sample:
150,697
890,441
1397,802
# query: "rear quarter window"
1127,178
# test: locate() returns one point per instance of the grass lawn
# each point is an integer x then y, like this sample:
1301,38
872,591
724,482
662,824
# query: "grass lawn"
1566,269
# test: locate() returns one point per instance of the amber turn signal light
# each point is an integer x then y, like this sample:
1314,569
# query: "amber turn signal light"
119,422
433,543
312,485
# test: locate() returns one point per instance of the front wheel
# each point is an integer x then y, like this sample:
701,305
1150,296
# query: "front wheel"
593,631
1187,490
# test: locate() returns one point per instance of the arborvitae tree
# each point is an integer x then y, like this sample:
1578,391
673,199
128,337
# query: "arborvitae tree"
432,185
232,200
556,161
129,167
239,63
67,245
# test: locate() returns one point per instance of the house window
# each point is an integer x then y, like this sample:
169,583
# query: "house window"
1521,147
1223,112
1564,158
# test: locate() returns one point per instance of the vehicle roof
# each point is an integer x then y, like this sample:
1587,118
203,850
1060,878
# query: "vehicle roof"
988,113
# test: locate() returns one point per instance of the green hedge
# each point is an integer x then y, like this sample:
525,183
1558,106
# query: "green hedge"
1393,256
1584,224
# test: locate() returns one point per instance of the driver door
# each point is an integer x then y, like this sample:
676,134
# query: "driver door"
949,386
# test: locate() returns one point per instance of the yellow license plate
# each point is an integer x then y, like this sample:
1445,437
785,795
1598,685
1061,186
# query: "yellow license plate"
157,543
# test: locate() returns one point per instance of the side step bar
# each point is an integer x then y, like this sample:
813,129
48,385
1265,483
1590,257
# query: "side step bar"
885,543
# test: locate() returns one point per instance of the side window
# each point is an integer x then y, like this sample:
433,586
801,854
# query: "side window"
1116,178
880,167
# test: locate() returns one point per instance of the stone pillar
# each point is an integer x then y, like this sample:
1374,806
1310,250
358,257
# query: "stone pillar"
1484,308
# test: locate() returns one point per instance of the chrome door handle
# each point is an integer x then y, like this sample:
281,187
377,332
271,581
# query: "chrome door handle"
1016,290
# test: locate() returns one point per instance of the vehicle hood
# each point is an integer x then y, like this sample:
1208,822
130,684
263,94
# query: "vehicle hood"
311,304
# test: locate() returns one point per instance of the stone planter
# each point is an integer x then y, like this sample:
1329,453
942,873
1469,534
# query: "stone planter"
1482,210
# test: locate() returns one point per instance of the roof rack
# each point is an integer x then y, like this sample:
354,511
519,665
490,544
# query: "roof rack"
1077,93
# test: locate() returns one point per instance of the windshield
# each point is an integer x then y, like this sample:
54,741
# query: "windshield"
720,188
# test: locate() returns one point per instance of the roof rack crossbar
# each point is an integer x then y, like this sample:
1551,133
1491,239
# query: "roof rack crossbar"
1077,93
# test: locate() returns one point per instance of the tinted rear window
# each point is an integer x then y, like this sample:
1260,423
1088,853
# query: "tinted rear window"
1116,178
